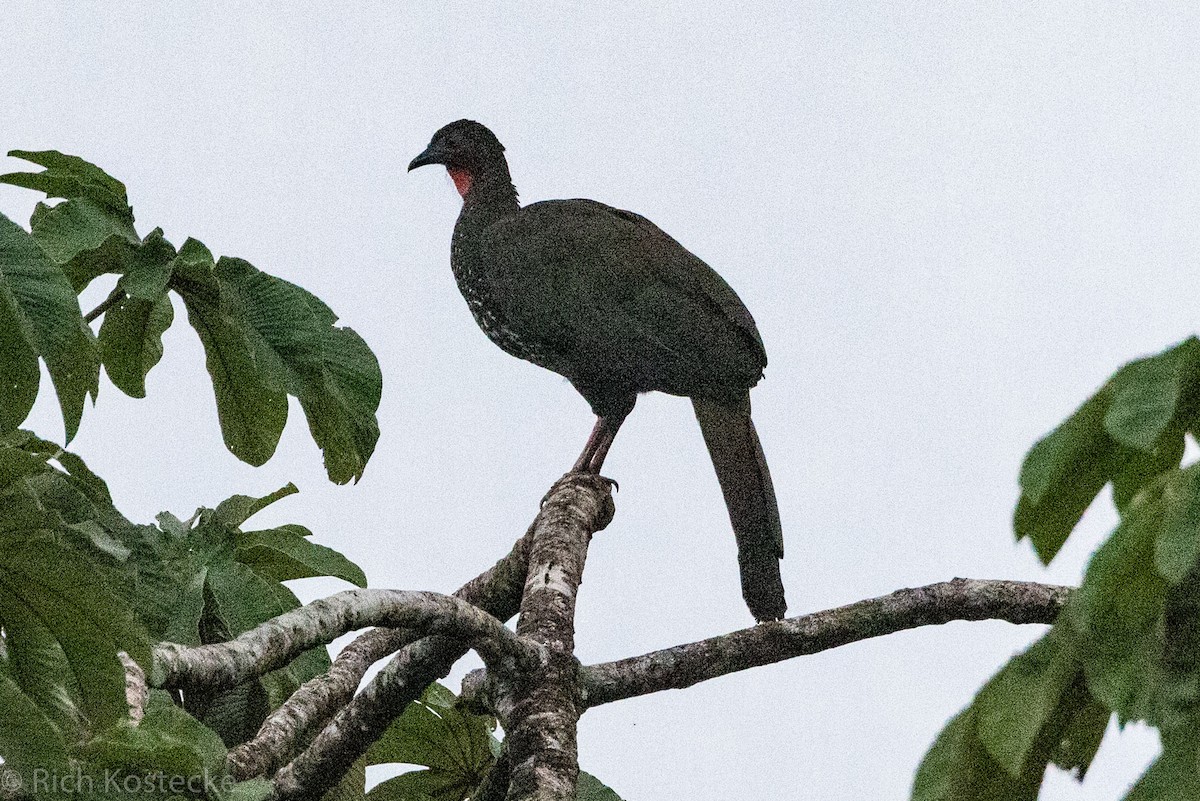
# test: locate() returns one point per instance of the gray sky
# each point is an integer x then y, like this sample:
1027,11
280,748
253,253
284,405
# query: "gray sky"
951,221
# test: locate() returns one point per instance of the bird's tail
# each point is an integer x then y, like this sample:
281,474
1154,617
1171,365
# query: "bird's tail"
750,497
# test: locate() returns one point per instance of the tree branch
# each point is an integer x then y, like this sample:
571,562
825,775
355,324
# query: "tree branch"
684,665
540,711
385,697
280,640
496,590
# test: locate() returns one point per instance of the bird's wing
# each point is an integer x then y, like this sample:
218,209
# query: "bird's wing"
620,284
673,264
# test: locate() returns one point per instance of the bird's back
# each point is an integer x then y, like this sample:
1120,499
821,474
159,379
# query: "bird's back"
612,298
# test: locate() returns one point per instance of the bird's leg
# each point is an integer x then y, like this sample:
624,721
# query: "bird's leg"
589,449
603,443
601,439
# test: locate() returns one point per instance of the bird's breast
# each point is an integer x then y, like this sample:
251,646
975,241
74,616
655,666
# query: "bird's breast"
487,306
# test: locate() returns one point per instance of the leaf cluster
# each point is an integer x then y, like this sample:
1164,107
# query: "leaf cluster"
1128,641
264,338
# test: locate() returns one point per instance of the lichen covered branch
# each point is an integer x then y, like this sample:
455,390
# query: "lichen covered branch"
540,711
685,665
496,591
281,639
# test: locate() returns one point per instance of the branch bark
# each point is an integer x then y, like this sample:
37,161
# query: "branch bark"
496,591
385,697
540,711
280,640
684,665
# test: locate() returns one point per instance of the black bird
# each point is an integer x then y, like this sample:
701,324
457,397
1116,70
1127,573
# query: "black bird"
608,300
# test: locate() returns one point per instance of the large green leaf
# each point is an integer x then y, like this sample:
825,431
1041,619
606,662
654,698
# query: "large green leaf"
28,738
421,785
1174,776
131,334
250,394
89,622
37,663
167,742
1117,610
84,238
592,789
131,341
1177,549
48,316
456,746
1128,433
237,509
958,766
283,554
1035,704
334,375
68,176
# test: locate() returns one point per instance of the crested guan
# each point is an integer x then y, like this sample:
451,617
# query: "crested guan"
609,301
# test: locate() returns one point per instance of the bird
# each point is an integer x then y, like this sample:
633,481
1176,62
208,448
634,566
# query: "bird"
608,300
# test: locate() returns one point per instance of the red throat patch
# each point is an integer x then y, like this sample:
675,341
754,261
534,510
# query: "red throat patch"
462,180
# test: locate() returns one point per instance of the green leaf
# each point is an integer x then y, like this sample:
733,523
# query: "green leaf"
592,789
89,622
958,767
454,744
235,714
47,313
28,738
1080,735
1015,706
330,370
253,790
167,741
282,554
131,341
1146,394
68,177
1117,609
421,785
251,402
84,238
38,665
1177,549
237,509
1129,432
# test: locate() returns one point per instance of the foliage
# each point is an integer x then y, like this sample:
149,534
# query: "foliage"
1128,641
264,338
80,584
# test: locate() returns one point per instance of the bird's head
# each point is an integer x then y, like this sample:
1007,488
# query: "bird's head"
466,148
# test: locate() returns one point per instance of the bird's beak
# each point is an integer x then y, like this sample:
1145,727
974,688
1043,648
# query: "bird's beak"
431,155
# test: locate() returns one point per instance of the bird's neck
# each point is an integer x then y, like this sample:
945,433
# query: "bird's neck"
489,196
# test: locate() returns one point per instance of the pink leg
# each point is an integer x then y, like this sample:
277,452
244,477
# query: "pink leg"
596,449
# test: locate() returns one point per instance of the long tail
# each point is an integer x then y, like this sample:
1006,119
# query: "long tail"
750,497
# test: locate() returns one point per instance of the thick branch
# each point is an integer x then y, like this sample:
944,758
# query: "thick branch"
496,590
280,640
764,644
365,718
541,709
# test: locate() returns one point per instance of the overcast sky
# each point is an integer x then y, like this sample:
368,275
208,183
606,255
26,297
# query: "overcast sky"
951,221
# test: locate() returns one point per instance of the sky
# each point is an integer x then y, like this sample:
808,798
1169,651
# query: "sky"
952,222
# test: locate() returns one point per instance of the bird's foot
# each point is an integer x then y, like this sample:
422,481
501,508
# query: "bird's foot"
575,475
